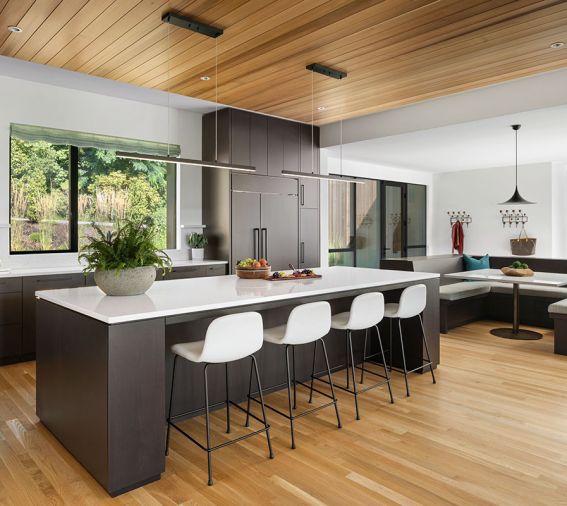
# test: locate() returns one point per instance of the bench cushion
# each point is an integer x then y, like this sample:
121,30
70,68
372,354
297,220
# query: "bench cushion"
558,307
462,290
553,292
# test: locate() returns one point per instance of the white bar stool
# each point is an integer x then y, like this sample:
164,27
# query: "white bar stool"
412,303
307,323
366,311
228,338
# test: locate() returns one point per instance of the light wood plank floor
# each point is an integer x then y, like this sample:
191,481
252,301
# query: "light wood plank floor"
492,431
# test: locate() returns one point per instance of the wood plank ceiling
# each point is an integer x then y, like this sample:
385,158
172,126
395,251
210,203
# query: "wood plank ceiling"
396,52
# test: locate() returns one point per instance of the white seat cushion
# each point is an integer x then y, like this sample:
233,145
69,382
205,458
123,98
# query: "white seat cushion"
339,321
531,290
275,335
457,291
558,307
191,351
391,310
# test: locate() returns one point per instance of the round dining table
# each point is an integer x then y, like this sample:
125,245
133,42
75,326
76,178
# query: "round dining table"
550,279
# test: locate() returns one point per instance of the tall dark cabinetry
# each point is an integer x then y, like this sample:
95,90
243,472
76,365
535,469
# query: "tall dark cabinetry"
261,214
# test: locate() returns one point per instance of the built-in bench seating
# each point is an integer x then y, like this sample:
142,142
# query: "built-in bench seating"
463,302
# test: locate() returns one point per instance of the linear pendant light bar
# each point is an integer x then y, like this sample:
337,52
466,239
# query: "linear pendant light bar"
209,31
185,161
330,177
194,26
335,74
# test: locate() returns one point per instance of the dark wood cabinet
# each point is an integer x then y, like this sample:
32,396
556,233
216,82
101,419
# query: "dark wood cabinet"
309,248
33,284
245,214
18,304
240,137
309,158
193,271
283,146
264,216
308,193
276,132
10,319
279,232
259,143
236,218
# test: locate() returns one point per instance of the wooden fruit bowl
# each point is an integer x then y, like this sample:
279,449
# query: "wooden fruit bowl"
261,273
519,273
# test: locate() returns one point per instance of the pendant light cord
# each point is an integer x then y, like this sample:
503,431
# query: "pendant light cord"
312,121
516,159
168,85
216,99
341,148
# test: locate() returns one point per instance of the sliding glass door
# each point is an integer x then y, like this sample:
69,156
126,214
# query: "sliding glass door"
393,220
379,219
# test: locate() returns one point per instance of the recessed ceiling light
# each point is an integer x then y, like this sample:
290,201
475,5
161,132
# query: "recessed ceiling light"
557,45
321,108
205,78
15,29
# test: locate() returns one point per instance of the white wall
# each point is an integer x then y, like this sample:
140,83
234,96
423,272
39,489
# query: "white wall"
39,104
372,171
478,192
559,210
510,97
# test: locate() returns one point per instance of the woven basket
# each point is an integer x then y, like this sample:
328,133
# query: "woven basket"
262,273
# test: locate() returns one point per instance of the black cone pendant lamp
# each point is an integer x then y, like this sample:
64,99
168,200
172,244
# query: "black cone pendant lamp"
516,198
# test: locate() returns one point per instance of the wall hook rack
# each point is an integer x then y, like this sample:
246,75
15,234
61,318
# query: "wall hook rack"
513,217
461,216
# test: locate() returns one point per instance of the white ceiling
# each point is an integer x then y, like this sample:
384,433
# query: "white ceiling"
19,69
474,145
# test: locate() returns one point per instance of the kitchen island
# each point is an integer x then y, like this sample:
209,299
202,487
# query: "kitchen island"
104,366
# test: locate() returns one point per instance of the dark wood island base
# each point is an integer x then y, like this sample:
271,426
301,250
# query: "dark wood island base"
102,389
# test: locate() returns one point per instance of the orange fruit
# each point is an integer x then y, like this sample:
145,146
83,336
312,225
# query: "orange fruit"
257,265
263,262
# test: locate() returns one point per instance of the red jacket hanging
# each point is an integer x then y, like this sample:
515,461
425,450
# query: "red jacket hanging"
458,237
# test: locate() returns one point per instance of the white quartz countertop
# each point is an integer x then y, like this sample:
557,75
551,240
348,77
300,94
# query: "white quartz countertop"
539,278
16,272
183,296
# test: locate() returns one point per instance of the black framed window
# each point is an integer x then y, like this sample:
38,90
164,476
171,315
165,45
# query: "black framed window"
379,219
58,190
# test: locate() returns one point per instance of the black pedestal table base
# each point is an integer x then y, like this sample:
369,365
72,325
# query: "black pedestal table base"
520,334
516,332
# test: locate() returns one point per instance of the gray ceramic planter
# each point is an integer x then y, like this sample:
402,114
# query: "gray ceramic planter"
126,282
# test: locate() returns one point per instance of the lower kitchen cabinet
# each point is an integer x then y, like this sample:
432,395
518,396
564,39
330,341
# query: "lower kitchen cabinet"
32,284
17,305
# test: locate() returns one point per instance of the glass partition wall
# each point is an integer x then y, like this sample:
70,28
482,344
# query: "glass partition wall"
380,219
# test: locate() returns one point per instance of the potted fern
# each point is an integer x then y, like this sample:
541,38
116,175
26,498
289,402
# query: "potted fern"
197,243
124,261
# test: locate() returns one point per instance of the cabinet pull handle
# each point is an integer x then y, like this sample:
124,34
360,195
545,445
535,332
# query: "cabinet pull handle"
256,232
39,280
264,248
302,194
302,253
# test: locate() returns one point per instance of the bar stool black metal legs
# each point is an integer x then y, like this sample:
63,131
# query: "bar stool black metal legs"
306,324
221,347
366,311
411,305
209,448
367,358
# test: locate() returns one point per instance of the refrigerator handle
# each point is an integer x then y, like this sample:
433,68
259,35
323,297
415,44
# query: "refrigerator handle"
302,195
264,247
302,253
256,232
